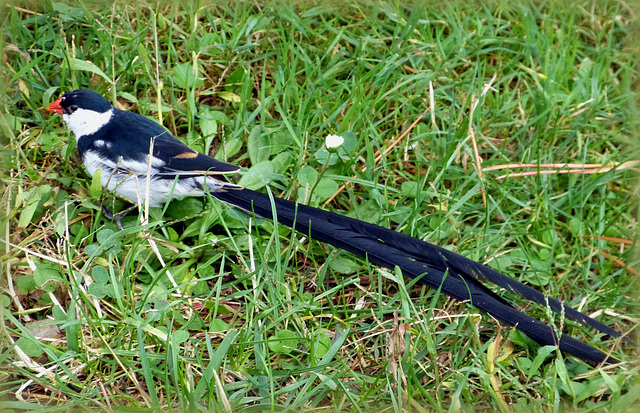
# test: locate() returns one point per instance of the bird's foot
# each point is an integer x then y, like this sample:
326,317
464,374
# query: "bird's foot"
115,217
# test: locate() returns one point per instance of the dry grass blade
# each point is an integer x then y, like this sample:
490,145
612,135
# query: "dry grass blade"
617,261
563,169
471,133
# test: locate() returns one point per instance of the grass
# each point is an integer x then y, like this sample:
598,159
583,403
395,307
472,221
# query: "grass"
204,308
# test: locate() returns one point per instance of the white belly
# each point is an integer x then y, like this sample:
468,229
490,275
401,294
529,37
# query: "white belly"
133,185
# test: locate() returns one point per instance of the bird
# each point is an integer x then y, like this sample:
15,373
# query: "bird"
133,151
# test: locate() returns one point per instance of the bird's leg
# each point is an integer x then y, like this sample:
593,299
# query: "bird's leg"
115,217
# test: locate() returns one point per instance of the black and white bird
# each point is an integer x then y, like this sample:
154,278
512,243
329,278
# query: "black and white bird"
133,151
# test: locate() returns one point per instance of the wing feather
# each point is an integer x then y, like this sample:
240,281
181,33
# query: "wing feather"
170,155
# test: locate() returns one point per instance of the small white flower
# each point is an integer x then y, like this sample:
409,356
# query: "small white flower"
333,141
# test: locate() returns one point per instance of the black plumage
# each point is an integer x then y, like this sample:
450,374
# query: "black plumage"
438,268
121,144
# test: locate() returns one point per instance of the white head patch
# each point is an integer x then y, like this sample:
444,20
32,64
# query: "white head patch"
85,122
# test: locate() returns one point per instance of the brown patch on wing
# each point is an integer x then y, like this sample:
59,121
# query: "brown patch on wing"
187,155
228,187
211,172
200,172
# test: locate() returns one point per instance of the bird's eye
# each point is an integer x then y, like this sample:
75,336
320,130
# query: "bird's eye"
73,108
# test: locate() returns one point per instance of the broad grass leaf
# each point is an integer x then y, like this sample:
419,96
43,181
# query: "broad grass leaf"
184,76
326,188
258,176
87,66
307,176
95,189
284,342
258,145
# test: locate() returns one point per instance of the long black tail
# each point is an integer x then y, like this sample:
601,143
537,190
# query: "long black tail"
436,267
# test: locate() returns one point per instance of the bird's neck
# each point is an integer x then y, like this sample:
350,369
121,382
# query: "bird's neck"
84,122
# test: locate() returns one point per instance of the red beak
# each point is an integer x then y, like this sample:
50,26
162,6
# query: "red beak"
56,108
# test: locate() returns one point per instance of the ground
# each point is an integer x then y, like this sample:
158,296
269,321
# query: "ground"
506,132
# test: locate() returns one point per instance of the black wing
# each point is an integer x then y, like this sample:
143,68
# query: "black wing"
132,131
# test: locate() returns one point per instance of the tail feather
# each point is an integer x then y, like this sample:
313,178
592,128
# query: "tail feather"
463,265
436,267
